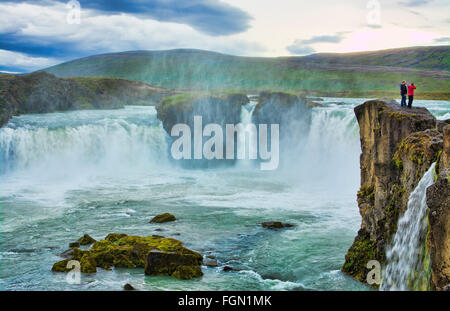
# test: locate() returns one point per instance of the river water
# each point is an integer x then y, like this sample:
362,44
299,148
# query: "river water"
97,172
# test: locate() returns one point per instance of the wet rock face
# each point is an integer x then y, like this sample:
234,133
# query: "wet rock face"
438,201
158,255
218,109
398,146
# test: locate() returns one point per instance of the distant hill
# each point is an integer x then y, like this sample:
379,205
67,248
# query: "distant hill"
430,58
375,71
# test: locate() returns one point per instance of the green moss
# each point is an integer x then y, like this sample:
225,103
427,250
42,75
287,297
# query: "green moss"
437,166
61,266
187,272
367,193
86,240
88,264
360,253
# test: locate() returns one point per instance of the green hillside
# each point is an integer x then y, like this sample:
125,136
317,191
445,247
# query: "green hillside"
345,73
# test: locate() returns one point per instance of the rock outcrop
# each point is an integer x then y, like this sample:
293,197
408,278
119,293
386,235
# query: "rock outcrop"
293,114
214,108
166,217
42,92
398,147
158,255
290,111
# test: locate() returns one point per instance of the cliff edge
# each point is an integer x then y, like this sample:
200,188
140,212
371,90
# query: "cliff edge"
398,146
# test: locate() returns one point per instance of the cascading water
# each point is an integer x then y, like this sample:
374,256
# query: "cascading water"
250,136
81,140
407,259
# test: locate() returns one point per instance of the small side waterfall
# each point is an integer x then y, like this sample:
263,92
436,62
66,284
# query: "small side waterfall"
250,136
408,258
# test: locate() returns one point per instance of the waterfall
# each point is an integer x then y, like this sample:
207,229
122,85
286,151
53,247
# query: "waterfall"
246,120
407,258
82,141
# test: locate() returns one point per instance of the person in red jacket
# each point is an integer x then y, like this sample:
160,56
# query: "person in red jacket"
411,89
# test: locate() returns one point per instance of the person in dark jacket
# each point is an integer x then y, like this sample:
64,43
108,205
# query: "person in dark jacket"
411,89
403,92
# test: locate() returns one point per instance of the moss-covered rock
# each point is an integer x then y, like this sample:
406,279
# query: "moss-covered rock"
86,240
61,266
166,217
123,251
88,264
74,244
179,265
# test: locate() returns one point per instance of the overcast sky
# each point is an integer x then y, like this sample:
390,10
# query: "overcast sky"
39,33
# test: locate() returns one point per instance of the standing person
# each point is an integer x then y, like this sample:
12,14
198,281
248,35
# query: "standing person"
411,89
403,92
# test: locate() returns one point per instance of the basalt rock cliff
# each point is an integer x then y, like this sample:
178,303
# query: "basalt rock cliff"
398,146
42,92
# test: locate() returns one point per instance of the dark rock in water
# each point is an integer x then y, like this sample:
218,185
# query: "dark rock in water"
67,254
228,268
179,265
158,255
74,244
86,240
209,262
276,225
61,266
23,250
128,287
159,229
166,217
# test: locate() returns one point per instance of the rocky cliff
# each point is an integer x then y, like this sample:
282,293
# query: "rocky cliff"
438,201
398,147
293,114
214,108
42,92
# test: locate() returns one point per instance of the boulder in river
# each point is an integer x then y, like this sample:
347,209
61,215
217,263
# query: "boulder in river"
166,217
276,225
74,244
86,240
157,254
128,287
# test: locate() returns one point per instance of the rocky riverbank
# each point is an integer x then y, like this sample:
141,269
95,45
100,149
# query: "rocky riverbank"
42,92
398,147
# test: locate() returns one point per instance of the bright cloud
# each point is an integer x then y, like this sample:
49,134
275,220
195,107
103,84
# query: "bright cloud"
38,33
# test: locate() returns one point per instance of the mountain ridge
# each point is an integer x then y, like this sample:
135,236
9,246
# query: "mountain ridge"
199,69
